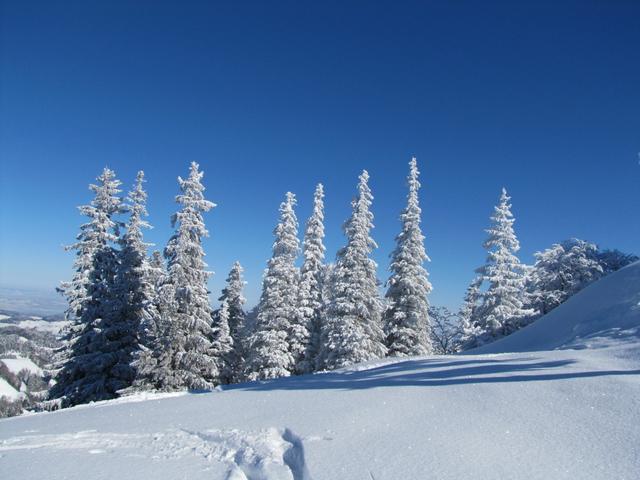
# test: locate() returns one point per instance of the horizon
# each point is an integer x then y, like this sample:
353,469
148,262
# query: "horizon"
276,98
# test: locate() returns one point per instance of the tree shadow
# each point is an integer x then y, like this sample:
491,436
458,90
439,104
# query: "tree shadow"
433,372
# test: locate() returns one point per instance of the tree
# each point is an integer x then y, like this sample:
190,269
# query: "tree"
468,315
99,346
222,347
446,332
182,356
311,285
271,355
232,296
135,280
406,318
502,309
352,331
566,268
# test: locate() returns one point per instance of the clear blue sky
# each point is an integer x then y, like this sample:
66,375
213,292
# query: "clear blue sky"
543,99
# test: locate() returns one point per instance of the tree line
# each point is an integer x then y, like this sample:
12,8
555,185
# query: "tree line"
141,322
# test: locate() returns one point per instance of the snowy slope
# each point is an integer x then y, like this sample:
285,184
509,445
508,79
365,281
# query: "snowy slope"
604,312
15,365
547,414
6,390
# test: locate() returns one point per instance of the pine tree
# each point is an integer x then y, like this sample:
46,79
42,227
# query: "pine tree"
99,347
182,355
232,296
310,310
270,355
502,311
407,316
352,332
222,347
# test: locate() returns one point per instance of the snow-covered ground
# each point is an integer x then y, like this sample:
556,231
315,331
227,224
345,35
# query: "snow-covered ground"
538,412
6,390
15,365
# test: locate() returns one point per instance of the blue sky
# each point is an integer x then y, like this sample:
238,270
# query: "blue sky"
542,98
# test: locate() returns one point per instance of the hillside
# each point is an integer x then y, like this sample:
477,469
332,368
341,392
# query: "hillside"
538,412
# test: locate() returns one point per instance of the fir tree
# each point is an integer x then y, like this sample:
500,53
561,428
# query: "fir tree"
407,316
502,311
352,332
182,355
232,296
468,314
222,347
99,346
311,284
135,287
270,355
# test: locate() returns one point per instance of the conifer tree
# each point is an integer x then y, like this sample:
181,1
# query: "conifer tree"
270,351
99,346
181,357
232,296
222,347
407,316
352,332
135,289
468,314
502,311
310,310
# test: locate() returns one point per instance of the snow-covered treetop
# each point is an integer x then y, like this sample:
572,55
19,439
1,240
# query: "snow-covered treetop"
193,203
358,226
137,200
314,233
286,243
501,233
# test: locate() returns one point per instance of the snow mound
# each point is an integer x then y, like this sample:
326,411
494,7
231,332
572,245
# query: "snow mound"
607,312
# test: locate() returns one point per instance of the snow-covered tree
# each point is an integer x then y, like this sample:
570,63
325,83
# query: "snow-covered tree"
502,310
270,353
566,268
470,329
232,296
222,347
310,310
135,282
445,331
182,355
352,331
406,319
100,344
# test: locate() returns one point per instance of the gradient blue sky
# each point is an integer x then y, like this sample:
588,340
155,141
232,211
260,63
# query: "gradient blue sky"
274,96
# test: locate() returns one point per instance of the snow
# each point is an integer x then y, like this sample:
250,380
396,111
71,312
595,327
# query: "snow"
537,412
15,365
6,390
43,325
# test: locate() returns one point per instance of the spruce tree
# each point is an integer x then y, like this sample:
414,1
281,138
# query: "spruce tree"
407,316
270,353
352,332
181,357
502,309
222,347
468,314
310,309
232,296
135,288
99,346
